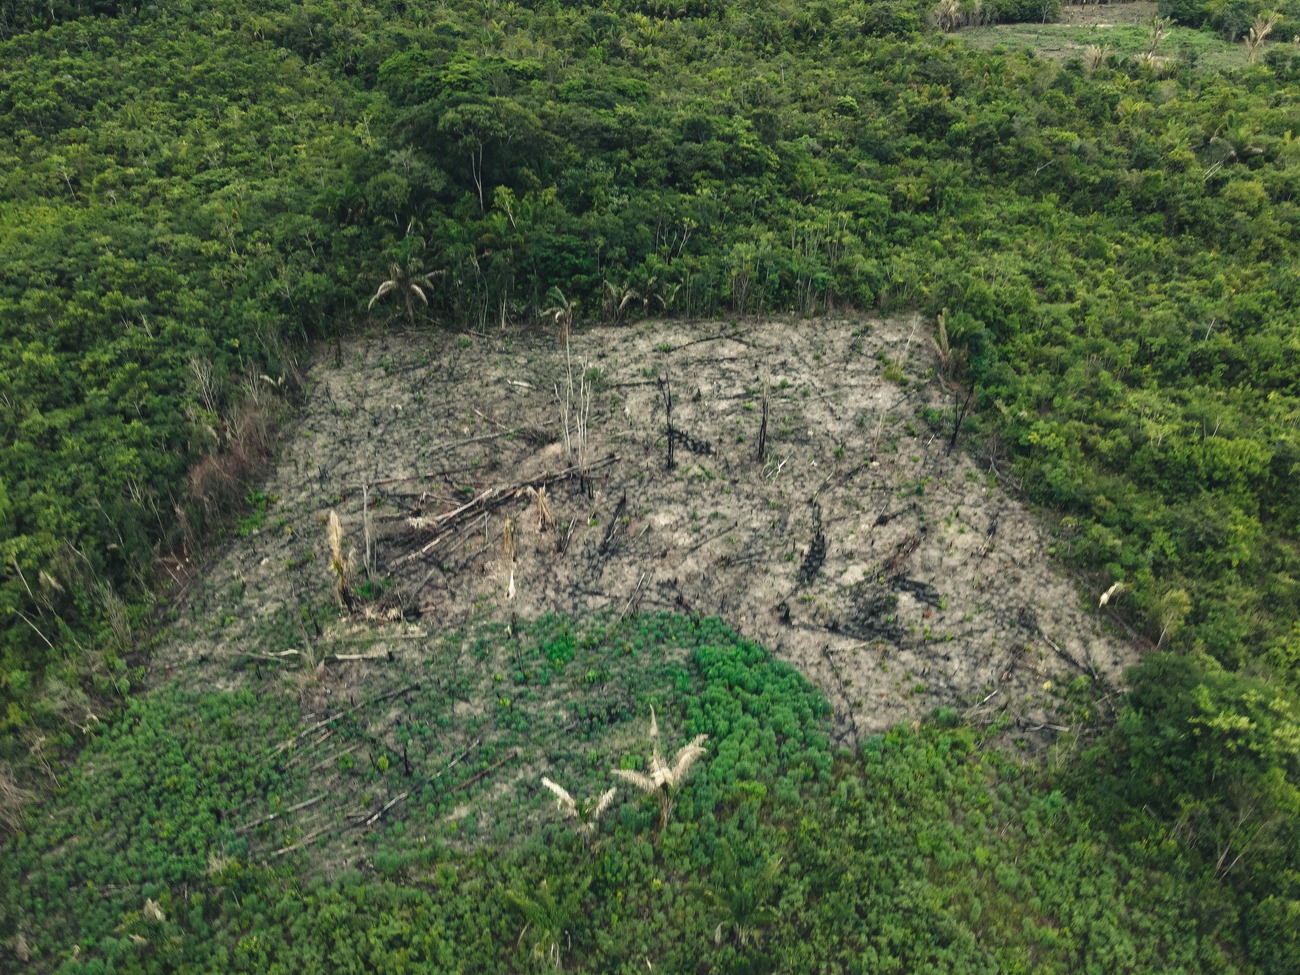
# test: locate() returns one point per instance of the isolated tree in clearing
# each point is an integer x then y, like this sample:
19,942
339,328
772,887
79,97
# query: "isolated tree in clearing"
664,780
405,286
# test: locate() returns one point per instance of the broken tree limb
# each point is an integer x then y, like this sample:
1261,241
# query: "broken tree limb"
391,803
493,498
636,591
308,749
487,771
343,714
712,538
456,761
335,757
276,815
441,449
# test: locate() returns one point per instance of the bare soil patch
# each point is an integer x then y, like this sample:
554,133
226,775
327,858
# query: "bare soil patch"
1108,14
891,570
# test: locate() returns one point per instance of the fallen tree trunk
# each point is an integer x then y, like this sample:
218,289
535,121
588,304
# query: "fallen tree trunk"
442,525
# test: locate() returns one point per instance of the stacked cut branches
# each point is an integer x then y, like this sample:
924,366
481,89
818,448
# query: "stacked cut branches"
445,525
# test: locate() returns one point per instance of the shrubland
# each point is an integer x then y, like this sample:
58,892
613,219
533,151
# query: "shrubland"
927,850
187,194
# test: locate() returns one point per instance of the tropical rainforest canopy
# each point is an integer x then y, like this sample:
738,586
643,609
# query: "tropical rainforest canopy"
190,194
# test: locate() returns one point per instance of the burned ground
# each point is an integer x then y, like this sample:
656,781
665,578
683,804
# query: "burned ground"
892,570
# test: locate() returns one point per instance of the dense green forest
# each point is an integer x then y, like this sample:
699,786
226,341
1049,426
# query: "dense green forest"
189,195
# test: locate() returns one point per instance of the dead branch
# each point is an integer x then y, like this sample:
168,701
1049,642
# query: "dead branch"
391,803
336,756
276,815
635,592
491,768
343,714
443,448
712,538
308,749
494,498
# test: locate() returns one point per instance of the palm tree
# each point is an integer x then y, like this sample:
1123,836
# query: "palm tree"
664,779
649,295
1258,32
587,812
549,914
1095,55
1159,27
744,896
408,288
562,309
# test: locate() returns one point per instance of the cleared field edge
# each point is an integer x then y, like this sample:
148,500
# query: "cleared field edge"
886,566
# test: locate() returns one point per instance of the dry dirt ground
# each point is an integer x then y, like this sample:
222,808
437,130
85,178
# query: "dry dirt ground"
895,573
1108,14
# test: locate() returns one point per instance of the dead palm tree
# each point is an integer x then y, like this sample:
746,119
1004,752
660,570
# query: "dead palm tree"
1095,55
664,779
340,562
1159,27
947,15
1254,39
587,811
406,286
942,347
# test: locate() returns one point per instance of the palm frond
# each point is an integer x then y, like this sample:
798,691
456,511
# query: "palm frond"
563,799
1115,590
659,770
687,756
602,804
637,779
384,289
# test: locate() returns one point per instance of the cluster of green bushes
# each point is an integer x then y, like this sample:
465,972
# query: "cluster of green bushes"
185,193
167,198
926,851
1232,18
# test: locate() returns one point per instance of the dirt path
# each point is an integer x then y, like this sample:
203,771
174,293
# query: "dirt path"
889,569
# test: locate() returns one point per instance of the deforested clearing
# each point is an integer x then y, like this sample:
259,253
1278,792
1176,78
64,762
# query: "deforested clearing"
817,502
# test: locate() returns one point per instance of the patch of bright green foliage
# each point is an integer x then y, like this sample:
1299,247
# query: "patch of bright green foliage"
1064,41
925,850
189,191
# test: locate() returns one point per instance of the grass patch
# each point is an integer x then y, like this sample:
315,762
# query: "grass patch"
1065,41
